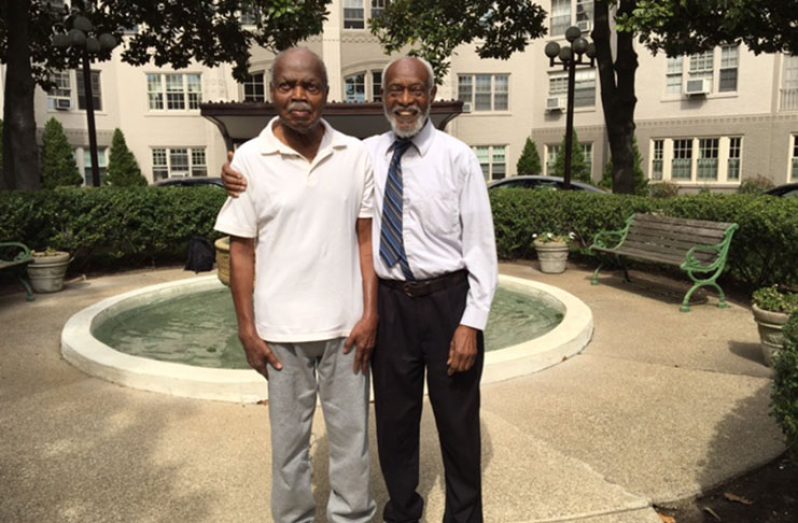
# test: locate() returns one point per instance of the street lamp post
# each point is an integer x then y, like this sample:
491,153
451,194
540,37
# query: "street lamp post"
82,36
569,56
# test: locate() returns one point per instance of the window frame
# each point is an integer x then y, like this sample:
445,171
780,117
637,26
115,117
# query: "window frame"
166,156
488,160
186,96
497,94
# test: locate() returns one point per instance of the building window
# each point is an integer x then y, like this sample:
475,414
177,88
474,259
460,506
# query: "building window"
560,17
794,159
657,159
174,91
493,160
60,96
708,159
96,93
735,158
376,86
673,76
254,88
789,84
250,14
355,86
178,162
681,166
378,7
587,153
729,60
701,66
84,154
354,14
584,14
485,92
584,87
552,152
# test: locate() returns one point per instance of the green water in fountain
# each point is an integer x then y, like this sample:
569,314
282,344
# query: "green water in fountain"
200,328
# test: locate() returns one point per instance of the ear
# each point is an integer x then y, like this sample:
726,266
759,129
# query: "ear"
432,93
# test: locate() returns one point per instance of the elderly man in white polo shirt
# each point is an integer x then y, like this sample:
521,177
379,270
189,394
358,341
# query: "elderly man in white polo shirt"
303,227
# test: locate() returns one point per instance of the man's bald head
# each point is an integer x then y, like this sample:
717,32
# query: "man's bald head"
303,57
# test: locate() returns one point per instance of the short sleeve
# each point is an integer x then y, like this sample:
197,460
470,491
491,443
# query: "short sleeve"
367,202
237,216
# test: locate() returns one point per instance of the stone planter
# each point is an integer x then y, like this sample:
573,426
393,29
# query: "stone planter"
552,256
222,246
46,271
770,325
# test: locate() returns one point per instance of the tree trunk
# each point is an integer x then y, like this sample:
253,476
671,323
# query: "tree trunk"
20,152
617,79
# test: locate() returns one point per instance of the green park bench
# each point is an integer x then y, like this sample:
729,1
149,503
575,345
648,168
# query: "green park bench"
698,247
15,256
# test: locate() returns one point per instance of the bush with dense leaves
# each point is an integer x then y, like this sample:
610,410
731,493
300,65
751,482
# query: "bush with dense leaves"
59,168
784,394
763,250
123,169
111,227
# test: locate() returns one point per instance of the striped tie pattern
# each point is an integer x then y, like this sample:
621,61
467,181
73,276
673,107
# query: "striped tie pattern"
392,245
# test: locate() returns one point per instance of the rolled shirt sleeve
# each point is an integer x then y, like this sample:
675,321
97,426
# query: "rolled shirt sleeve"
237,216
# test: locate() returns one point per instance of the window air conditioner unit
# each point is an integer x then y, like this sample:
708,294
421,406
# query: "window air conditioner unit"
584,25
554,103
63,104
466,107
699,86
178,174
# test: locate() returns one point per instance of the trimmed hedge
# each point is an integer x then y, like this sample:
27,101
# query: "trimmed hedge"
132,227
111,227
764,250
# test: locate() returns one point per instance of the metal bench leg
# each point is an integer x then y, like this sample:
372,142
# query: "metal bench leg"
28,289
595,280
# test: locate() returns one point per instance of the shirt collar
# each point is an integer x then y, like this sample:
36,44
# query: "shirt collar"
270,144
421,141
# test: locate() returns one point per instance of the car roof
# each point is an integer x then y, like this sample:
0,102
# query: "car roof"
190,181
545,179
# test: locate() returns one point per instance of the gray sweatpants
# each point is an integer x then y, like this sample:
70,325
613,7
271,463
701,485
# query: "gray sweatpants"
307,368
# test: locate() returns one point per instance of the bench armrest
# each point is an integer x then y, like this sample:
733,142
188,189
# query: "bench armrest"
608,239
23,254
691,263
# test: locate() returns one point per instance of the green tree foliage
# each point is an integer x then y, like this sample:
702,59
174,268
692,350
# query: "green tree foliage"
58,161
580,168
689,26
641,183
168,33
433,28
784,394
529,162
123,170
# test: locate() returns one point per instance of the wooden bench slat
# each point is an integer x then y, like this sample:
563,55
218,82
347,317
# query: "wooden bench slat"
669,230
668,250
655,218
674,244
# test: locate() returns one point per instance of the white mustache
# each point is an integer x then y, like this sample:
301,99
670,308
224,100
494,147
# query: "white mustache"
299,106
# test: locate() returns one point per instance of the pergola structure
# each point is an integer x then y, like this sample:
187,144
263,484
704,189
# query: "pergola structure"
241,121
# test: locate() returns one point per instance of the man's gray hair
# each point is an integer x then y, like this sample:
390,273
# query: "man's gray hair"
282,54
426,64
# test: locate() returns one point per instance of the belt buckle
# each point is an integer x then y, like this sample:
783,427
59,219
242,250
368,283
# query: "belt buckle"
408,288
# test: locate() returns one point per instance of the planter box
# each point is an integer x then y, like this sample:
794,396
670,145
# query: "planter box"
770,325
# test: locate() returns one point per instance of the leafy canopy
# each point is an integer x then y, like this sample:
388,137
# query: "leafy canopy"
433,29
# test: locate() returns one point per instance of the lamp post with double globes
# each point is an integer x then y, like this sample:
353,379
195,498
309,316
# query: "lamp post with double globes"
569,57
83,36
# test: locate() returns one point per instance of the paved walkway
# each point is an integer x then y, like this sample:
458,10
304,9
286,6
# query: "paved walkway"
660,406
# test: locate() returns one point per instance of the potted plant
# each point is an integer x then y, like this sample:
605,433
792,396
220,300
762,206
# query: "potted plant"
222,246
552,250
772,307
47,270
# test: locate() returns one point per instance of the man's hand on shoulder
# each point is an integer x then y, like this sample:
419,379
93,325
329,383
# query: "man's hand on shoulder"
363,338
259,354
462,349
234,181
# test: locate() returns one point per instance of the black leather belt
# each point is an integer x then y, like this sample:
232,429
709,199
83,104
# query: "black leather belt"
419,288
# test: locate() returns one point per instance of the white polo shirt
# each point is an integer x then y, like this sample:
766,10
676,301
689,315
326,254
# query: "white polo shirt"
308,283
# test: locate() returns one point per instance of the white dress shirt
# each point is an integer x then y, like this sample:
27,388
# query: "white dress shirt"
447,222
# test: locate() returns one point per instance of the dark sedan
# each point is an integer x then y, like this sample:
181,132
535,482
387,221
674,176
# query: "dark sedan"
788,190
541,182
191,181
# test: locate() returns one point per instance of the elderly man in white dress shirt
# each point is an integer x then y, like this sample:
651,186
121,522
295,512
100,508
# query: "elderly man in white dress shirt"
435,255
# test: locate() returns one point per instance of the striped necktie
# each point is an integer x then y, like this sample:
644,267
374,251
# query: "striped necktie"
392,245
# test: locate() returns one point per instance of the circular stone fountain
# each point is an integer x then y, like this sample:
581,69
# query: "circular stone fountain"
81,347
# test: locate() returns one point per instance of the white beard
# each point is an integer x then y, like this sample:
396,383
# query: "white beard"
404,132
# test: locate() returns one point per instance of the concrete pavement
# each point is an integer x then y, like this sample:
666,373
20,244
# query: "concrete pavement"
661,405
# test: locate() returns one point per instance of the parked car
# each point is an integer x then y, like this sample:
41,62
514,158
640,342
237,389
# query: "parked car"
788,190
540,182
191,181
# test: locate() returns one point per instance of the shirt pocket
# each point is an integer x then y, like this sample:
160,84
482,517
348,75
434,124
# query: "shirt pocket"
438,213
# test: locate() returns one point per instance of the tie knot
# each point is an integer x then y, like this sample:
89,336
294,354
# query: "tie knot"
401,146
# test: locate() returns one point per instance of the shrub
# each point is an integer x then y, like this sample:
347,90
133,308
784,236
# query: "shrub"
58,161
580,169
773,299
123,170
111,227
784,394
755,185
640,180
529,162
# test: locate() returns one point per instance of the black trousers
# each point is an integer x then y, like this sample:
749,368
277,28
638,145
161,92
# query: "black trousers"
414,335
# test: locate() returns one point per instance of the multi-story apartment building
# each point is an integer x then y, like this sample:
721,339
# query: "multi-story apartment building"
708,120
